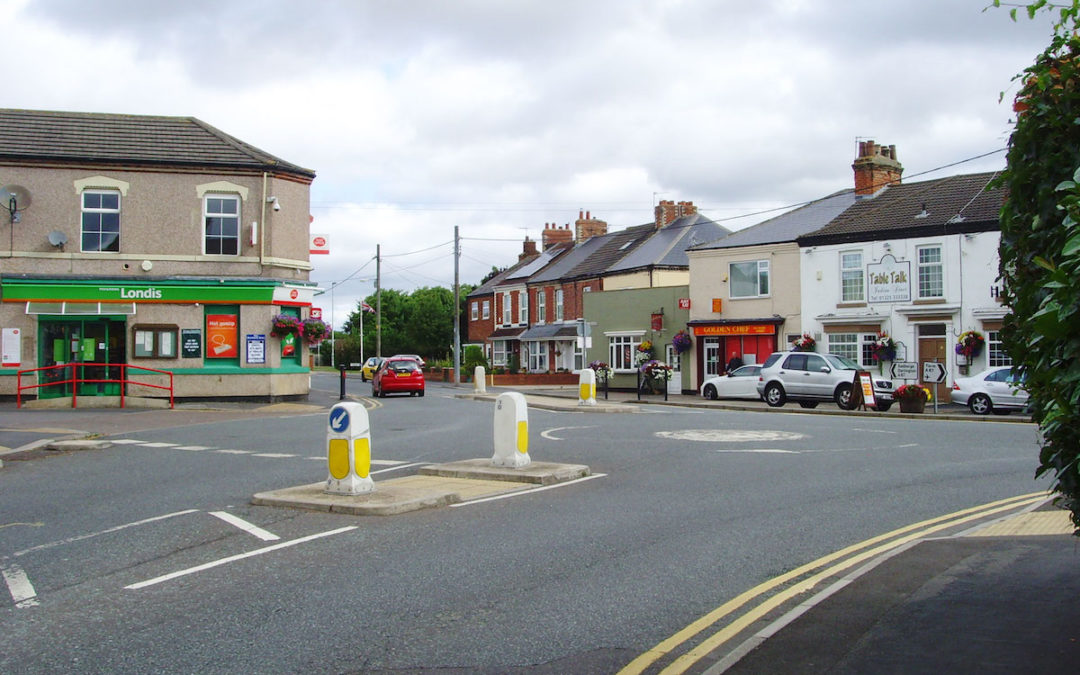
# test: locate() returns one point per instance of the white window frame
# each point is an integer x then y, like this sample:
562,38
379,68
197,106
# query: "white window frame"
852,278
930,275
995,351
485,310
857,346
223,215
537,355
98,212
558,304
621,360
761,271
507,315
523,307
541,305
474,310
498,352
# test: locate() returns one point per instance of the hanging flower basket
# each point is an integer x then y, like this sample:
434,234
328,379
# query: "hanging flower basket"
644,352
314,330
804,344
603,370
884,348
682,342
284,324
970,344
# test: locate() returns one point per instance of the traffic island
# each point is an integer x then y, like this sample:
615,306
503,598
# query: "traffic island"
536,473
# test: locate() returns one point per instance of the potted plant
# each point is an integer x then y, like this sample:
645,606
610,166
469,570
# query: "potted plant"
912,397
284,324
969,346
314,330
804,343
682,342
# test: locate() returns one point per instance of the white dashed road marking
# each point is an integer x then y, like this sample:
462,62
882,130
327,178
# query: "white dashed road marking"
245,526
729,436
22,591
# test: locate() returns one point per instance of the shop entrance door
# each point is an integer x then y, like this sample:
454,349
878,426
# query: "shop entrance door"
64,341
932,348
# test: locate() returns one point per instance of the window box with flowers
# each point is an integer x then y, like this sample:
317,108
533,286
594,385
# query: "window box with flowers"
912,397
969,346
804,343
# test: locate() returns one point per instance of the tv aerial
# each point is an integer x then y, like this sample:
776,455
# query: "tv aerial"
14,198
57,238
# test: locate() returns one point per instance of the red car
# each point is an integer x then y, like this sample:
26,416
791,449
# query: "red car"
398,375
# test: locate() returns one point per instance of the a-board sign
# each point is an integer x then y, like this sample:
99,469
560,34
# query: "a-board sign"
905,370
862,390
932,371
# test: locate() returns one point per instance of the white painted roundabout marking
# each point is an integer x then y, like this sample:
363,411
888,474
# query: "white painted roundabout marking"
548,432
729,436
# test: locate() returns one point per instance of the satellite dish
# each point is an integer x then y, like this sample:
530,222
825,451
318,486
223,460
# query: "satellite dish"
14,198
57,238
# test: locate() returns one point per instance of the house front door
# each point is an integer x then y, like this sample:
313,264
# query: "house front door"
932,348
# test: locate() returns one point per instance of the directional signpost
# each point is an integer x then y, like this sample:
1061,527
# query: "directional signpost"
904,370
933,372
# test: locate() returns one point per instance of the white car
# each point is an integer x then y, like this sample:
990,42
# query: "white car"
996,390
739,383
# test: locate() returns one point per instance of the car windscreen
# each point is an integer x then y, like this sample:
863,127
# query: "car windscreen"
841,362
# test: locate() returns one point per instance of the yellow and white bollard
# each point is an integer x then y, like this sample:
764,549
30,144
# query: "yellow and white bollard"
479,383
511,431
587,387
348,450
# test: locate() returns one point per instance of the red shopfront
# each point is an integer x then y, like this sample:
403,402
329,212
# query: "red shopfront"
718,343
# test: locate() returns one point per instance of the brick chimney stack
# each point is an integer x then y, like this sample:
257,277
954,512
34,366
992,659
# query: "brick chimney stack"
528,250
553,234
667,212
586,226
875,167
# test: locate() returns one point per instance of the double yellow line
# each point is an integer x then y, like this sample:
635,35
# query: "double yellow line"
859,553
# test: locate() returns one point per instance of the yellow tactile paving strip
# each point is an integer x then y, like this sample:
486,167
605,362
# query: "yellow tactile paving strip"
1029,524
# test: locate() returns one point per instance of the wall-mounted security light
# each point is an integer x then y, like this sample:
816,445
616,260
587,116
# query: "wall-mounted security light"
276,205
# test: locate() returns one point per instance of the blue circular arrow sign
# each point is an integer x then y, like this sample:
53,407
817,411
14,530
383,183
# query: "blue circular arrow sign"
339,420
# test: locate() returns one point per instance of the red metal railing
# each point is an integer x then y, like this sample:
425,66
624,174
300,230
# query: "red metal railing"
74,376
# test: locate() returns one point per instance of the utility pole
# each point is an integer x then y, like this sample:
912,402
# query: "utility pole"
457,309
378,300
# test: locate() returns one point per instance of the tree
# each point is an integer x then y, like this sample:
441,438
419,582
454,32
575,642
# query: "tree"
1040,248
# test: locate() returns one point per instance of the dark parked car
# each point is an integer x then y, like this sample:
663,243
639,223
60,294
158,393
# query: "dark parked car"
398,375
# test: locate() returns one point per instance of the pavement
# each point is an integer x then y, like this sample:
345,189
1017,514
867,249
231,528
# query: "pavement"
998,597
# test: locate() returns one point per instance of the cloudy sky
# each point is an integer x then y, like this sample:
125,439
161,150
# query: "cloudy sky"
499,116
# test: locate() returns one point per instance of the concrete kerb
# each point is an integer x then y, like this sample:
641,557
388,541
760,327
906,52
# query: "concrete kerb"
559,403
436,485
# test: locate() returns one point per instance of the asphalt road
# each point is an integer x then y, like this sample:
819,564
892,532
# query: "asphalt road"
137,563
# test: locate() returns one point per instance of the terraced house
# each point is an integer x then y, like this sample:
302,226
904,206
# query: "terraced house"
137,244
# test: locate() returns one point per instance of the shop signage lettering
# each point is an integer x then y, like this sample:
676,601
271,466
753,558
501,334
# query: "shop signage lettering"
140,293
744,329
889,280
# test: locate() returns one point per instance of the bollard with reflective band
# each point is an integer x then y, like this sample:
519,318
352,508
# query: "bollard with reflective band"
511,431
479,384
587,387
348,450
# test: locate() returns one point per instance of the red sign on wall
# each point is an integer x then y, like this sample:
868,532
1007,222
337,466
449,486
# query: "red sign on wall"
658,322
684,303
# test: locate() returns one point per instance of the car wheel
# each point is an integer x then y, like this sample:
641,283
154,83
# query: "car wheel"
884,407
420,393
774,395
710,392
808,404
842,396
980,404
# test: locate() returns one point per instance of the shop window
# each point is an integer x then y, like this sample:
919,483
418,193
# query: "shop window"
155,342
101,221
995,350
221,214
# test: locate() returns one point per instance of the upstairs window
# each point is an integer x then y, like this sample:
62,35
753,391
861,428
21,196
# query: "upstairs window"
931,272
749,279
101,221
523,307
221,213
559,305
507,314
851,277
541,305
474,313
486,304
